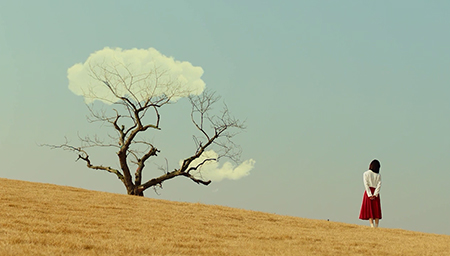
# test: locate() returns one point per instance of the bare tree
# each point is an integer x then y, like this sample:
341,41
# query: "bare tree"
135,109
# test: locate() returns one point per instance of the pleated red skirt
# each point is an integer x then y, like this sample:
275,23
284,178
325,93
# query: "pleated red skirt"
370,208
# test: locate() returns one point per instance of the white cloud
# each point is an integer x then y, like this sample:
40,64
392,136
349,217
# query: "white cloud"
211,170
179,76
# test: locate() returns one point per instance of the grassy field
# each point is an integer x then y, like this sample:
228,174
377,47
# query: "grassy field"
44,219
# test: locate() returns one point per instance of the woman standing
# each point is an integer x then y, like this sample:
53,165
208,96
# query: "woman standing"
371,205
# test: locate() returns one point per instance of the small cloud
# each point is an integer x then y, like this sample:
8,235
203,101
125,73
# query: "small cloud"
213,171
153,74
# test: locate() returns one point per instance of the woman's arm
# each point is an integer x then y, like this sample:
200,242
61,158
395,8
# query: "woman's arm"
377,189
366,184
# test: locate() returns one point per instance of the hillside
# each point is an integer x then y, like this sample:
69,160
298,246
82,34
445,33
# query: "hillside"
44,219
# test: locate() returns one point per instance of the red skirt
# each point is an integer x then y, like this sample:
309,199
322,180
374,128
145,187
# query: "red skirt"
370,208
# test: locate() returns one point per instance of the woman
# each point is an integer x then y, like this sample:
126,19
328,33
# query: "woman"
371,205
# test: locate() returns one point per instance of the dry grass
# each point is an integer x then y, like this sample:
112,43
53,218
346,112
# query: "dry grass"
44,219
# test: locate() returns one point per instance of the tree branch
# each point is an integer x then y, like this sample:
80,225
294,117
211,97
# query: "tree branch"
141,164
168,176
198,181
100,167
200,164
82,154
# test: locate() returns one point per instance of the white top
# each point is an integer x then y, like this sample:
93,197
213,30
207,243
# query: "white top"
372,179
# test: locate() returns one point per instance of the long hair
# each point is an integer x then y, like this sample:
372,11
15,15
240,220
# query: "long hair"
375,166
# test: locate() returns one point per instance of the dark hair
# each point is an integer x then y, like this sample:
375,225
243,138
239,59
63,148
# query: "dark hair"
375,166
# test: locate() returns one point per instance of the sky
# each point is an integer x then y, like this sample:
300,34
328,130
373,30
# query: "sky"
325,87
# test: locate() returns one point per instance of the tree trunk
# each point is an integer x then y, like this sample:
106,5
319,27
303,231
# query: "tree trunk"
134,191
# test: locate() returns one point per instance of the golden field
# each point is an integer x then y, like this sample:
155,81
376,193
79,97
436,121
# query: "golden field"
45,219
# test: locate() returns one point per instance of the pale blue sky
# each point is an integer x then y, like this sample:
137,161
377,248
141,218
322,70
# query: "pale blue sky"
325,87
